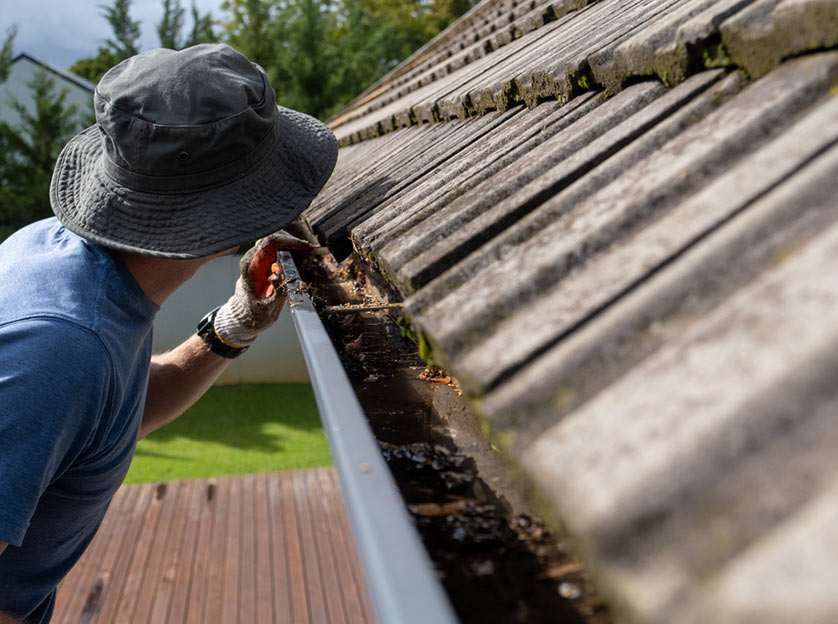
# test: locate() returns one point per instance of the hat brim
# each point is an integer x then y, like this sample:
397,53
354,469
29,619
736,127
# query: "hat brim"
194,225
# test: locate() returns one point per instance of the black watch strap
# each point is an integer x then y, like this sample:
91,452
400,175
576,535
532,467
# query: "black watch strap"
206,330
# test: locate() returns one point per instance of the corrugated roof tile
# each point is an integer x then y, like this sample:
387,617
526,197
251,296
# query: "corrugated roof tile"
633,283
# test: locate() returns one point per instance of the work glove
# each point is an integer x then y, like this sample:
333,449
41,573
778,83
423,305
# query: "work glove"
259,293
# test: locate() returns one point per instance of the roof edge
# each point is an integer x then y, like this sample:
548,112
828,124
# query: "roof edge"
77,80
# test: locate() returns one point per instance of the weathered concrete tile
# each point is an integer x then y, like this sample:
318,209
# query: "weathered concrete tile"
785,316
759,37
782,455
495,90
594,28
385,114
422,106
374,164
563,53
351,163
614,36
444,59
512,192
611,341
784,577
480,83
543,63
415,203
457,275
480,162
360,175
366,186
653,186
449,65
665,44
436,149
423,253
561,8
556,312
702,389
429,55
450,98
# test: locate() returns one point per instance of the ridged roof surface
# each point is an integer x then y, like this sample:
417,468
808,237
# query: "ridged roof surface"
616,225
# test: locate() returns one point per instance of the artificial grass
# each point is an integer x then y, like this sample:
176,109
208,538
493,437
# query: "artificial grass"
236,429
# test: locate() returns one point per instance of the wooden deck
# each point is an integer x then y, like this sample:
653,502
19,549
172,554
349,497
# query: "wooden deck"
249,549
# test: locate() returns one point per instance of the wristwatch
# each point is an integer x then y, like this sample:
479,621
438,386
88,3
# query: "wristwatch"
206,330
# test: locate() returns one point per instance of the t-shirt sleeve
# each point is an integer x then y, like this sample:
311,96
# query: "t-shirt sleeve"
55,380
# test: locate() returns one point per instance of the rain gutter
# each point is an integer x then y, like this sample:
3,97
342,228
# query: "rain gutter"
400,577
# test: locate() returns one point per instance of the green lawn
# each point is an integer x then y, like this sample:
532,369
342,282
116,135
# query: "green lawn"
236,429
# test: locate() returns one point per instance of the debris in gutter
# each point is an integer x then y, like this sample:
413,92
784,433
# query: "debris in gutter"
570,591
496,562
435,375
348,307
438,509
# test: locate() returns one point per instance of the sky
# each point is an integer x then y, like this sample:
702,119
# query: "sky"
60,32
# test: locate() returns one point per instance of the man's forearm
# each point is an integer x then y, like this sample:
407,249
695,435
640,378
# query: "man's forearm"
177,379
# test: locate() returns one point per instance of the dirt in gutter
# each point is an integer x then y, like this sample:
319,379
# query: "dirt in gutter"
496,561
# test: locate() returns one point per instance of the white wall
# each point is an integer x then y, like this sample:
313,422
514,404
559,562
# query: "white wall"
274,357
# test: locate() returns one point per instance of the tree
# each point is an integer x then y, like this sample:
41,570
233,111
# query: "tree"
319,54
29,151
125,30
203,30
301,68
170,25
94,68
249,29
126,34
7,53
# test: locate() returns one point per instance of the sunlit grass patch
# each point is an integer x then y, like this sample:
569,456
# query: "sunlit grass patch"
236,429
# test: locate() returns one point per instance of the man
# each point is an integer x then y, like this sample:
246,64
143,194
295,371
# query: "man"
190,157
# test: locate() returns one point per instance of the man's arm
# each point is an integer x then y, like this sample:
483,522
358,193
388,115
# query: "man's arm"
177,379
180,377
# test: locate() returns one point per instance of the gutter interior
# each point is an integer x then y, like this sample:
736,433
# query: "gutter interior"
495,559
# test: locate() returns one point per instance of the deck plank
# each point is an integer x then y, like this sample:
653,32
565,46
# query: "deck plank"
165,583
298,598
232,551
116,575
325,555
142,548
160,543
251,549
84,583
215,570
247,552
313,575
355,602
182,573
203,552
281,560
265,579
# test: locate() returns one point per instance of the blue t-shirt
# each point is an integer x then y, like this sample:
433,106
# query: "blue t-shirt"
75,347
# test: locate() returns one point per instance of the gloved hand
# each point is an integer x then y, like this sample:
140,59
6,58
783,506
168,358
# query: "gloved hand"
258,296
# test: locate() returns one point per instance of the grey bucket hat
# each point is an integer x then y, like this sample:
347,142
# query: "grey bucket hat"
190,155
